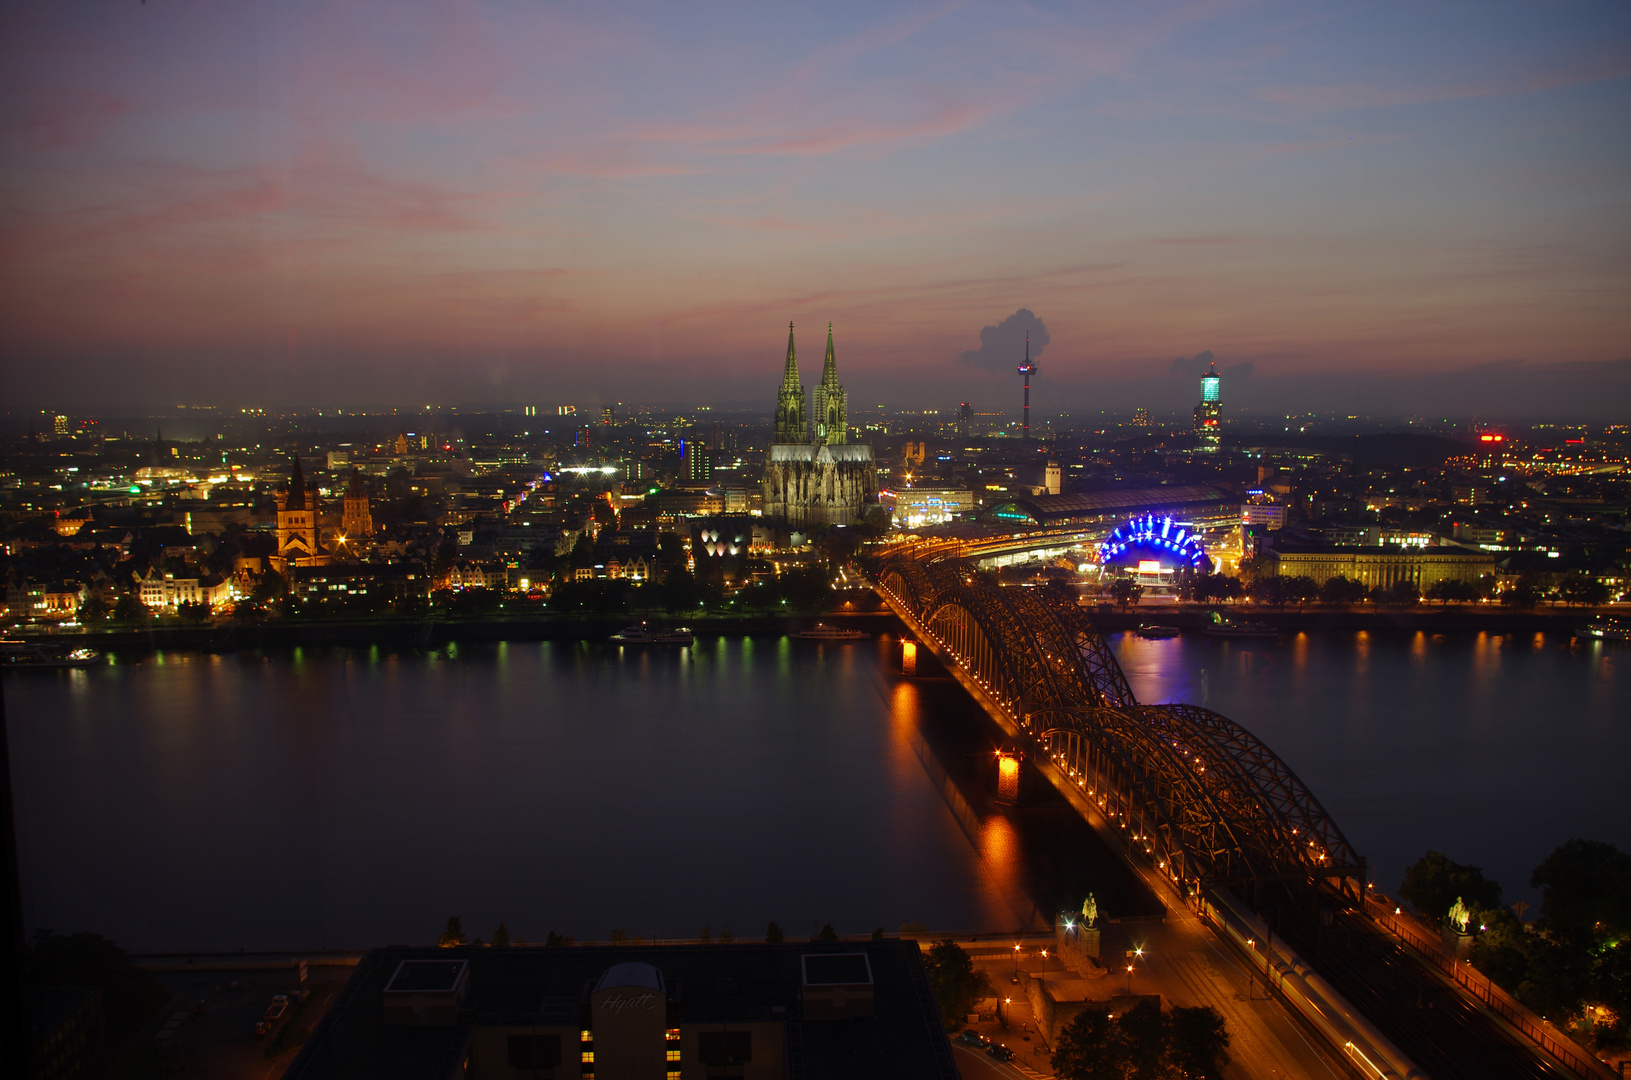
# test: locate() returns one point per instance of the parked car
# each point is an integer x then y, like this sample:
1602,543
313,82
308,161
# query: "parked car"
973,1038
1000,1052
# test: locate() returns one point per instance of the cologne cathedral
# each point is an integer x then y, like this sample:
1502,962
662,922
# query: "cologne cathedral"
813,474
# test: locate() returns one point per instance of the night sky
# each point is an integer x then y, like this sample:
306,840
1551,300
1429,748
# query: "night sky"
1379,206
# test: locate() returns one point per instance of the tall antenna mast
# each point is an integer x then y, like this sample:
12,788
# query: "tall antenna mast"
1025,369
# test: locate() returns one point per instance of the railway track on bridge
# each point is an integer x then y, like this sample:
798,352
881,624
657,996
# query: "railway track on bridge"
1212,812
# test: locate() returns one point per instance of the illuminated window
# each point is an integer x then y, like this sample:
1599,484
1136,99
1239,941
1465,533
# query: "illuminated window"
673,1055
672,1074
588,1057
586,1036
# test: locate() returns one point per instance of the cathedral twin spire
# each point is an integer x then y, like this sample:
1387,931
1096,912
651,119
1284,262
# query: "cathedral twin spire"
831,414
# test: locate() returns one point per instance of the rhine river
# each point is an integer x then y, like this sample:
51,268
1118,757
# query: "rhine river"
353,797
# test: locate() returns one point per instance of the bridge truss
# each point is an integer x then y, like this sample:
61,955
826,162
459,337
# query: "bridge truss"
1205,800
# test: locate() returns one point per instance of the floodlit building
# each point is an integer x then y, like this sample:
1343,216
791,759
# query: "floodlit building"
917,507
828,481
1381,566
299,530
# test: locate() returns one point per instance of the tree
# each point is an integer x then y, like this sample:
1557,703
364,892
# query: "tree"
501,937
956,982
1451,590
1587,890
773,934
1341,591
191,612
270,588
1432,883
1126,592
453,935
1199,1042
1090,1048
1059,591
1300,588
1143,1044
806,588
680,592
94,610
828,933
1145,1038
1270,589
1208,588
1525,594
130,609
1580,589
1402,593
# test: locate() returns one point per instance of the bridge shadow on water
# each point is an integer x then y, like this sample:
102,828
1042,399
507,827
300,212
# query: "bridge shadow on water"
1058,858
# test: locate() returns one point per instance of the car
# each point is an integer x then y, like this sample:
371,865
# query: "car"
1000,1052
972,1037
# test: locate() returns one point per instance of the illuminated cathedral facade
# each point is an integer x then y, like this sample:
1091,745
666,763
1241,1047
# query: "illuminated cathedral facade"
813,474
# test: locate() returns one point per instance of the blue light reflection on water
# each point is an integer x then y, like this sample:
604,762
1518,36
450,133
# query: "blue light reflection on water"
354,797
1490,748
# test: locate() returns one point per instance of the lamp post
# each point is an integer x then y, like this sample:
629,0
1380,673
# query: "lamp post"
1016,964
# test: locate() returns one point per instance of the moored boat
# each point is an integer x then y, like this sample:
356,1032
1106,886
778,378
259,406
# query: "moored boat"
645,635
823,632
1154,630
1608,628
20,654
1240,630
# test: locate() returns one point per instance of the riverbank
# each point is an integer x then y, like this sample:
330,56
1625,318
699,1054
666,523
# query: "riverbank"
285,633
1431,618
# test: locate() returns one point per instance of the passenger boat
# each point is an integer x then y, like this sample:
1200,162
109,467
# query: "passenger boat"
1151,630
1240,630
22,654
823,632
645,635
1608,628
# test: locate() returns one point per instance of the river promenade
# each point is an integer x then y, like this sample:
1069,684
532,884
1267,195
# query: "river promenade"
435,629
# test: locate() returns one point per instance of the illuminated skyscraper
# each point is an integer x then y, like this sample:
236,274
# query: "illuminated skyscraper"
1209,413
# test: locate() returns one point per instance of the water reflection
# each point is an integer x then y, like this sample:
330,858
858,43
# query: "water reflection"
1415,741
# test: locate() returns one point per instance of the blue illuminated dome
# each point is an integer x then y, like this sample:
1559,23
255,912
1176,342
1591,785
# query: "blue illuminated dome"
1154,538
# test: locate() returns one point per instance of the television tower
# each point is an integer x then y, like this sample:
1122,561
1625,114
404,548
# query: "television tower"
1025,369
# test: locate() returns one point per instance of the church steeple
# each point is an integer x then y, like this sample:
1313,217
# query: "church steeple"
297,486
791,426
831,411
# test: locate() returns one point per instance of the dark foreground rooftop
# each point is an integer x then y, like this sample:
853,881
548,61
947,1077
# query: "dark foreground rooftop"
806,1009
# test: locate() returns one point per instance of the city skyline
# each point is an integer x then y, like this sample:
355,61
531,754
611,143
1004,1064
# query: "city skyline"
1400,210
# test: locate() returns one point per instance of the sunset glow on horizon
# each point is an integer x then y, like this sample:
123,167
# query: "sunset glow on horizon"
287,203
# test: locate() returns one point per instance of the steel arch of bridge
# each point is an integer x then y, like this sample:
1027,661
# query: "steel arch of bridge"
1201,796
